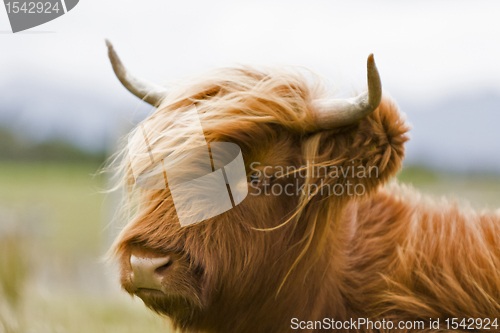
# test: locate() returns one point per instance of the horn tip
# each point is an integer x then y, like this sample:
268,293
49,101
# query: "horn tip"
111,53
371,58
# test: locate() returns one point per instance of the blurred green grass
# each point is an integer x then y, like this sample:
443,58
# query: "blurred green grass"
68,196
61,207
66,217
480,191
81,313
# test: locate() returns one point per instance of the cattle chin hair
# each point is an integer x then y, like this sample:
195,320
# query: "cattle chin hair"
180,309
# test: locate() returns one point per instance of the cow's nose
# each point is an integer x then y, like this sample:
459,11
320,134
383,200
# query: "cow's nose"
148,272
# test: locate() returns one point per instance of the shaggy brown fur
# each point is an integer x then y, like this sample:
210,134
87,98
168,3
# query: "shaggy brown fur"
386,254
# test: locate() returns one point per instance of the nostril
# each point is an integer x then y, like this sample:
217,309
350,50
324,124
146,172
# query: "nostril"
160,270
148,272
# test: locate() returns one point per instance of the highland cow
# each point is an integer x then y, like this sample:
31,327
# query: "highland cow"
311,260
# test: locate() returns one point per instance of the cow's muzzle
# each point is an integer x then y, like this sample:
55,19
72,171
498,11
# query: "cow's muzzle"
149,272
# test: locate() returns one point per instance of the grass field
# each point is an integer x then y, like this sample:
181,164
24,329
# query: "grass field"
62,221
53,232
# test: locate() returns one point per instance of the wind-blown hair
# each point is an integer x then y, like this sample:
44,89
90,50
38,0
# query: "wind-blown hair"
243,105
302,239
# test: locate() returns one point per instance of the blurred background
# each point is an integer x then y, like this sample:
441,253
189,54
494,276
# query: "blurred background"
62,113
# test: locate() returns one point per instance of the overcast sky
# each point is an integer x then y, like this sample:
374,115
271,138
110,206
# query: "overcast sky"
423,50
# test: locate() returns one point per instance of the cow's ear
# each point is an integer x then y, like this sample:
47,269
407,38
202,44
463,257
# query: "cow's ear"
367,153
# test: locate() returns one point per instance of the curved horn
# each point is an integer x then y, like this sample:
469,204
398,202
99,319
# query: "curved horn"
331,113
145,90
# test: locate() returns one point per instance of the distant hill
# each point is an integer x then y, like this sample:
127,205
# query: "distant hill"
15,148
459,133
87,117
